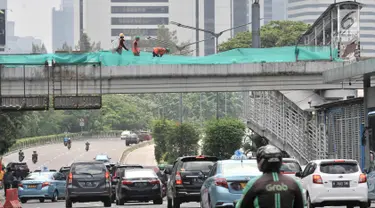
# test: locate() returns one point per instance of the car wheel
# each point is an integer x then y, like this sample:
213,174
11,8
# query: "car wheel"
120,201
41,200
158,201
23,201
54,197
169,203
309,204
127,144
365,205
68,203
176,203
113,198
108,202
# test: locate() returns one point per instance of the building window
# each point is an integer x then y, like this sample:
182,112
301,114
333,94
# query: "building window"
135,32
140,20
138,1
139,9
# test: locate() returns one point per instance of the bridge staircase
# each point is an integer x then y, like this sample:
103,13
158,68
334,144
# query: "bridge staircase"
272,115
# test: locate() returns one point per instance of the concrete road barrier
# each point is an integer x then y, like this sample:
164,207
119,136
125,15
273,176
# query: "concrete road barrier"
132,148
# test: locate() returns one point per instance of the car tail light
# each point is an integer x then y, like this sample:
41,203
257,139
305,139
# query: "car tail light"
362,178
178,178
317,179
125,182
45,184
70,178
107,176
221,182
20,185
200,157
339,161
154,182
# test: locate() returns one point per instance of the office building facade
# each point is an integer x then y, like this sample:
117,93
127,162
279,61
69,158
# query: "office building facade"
62,25
309,10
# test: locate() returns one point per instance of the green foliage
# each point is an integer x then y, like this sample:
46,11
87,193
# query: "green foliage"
160,130
223,137
273,34
38,48
65,47
85,44
182,140
10,123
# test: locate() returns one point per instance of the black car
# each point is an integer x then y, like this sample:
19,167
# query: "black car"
119,170
186,178
88,182
21,169
139,185
65,170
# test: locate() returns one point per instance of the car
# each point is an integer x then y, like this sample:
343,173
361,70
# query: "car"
186,178
226,181
139,185
65,170
42,185
131,139
88,182
21,169
144,136
124,134
119,170
103,158
162,177
290,167
334,182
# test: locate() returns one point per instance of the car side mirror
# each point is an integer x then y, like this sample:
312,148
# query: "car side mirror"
299,174
365,170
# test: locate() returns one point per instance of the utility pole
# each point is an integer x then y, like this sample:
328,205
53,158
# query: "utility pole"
217,105
181,109
255,26
197,26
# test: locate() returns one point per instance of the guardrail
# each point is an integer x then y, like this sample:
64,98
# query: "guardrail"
134,147
40,141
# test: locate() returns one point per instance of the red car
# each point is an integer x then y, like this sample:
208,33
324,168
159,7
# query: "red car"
144,136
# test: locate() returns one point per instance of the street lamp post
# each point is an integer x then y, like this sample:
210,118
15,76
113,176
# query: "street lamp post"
216,36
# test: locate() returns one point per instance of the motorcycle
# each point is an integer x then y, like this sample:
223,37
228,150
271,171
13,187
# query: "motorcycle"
35,159
21,158
65,143
69,146
87,148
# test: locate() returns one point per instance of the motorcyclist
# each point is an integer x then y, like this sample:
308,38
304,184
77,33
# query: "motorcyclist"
35,155
87,145
69,141
271,189
21,154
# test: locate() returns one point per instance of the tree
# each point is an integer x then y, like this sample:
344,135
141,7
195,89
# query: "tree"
38,48
65,47
160,130
273,34
85,44
223,137
182,140
9,125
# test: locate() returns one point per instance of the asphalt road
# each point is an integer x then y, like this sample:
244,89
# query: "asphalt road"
55,156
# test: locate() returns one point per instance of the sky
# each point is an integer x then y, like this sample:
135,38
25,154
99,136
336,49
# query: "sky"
33,18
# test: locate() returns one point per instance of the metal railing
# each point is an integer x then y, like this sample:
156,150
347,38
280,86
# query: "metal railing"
285,124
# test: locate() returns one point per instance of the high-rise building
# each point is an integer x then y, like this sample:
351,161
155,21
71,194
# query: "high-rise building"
309,10
62,25
3,24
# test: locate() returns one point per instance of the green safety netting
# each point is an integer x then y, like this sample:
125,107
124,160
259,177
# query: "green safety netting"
241,55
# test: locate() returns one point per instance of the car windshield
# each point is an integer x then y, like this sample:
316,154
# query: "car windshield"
290,167
339,167
89,168
239,168
140,174
38,176
198,165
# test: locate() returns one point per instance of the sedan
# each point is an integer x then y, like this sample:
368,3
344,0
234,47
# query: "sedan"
139,185
42,185
226,181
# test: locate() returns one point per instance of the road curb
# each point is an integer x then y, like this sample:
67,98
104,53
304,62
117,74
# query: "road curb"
132,148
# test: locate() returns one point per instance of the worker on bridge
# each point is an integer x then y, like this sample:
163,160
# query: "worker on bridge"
121,44
160,51
136,50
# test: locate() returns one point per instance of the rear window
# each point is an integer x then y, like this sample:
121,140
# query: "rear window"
88,168
239,168
290,166
140,174
339,168
198,165
38,176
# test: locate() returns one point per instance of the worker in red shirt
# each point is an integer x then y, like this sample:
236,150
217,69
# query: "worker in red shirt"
159,51
136,50
121,44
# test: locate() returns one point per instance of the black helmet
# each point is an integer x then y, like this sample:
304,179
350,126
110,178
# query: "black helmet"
269,158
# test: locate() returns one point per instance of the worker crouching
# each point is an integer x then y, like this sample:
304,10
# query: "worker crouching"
159,51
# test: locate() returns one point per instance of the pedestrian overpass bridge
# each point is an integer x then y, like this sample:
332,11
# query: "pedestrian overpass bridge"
267,111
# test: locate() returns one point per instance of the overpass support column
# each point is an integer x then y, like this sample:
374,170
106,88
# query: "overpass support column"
366,143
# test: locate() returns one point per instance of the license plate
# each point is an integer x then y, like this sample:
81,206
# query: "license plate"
141,184
89,184
31,186
243,185
340,184
198,180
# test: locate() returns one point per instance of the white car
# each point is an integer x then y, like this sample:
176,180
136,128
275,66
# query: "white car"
334,182
124,134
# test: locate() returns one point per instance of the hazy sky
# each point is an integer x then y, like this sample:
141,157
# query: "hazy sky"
33,18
